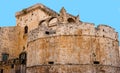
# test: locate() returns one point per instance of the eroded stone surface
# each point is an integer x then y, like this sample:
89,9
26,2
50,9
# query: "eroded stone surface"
58,43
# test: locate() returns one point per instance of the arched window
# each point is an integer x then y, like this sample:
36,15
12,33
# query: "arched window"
52,21
51,18
41,22
23,57
71,20
26,29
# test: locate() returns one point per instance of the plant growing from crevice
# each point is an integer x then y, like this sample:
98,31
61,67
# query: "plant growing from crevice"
24,11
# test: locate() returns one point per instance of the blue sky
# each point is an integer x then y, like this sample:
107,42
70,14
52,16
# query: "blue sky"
94,11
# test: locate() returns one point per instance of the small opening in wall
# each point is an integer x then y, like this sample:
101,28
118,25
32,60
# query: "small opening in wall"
12,66
103,30
26,29
96,62
47,32
32,14
71,20
103,35
23,58
5,56
50,62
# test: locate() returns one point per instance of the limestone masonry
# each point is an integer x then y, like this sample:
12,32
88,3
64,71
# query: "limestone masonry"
44,41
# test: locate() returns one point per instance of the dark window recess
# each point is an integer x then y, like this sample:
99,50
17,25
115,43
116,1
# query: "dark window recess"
22,61
103,30
47,32
50,32
5,56
23,58
12,66
26,29
103,35
1,70
96,62
51,62
71,20
32,14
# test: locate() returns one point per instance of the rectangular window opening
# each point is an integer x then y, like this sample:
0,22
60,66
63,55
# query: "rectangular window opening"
51,62
50,32
96,62
5,56
12,66
47,32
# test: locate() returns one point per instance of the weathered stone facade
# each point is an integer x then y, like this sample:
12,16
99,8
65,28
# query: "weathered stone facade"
44,41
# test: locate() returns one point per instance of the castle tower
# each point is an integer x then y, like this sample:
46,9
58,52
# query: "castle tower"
29,19
72,46
44,41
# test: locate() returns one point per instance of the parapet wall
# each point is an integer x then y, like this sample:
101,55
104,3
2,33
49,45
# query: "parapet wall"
74,46
84,29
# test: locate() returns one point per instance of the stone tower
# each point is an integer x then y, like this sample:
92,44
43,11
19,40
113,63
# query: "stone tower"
44,41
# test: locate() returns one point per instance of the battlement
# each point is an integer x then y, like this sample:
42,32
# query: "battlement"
84,29
107,31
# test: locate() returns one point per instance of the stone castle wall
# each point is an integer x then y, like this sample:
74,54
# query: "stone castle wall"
30,19
9,43
32,16
74,29
73,48
58,43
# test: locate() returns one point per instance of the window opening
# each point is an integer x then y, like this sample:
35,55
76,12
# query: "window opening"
5,56
50,62
26,29
71,20
50,32
47,32
96,62
23,58
12,66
